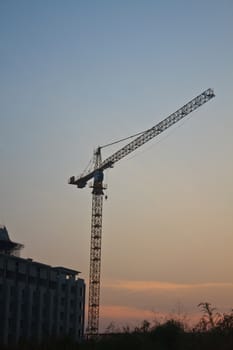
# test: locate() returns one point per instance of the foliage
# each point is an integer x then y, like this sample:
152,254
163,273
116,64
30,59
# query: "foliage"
210,317
168,335
213,331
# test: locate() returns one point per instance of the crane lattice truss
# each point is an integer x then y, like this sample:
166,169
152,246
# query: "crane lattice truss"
97,198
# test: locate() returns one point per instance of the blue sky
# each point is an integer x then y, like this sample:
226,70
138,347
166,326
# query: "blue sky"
78,74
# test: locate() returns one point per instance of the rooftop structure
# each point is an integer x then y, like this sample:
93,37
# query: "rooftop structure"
6,245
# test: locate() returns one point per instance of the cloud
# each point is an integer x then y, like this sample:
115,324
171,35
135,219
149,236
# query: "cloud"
120,312
120,316
146,286
130,302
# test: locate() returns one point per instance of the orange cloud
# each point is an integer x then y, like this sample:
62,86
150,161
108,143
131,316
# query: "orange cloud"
155,285
121,316
125,312
130,302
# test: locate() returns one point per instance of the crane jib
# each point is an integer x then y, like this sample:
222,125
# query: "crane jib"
146,136
161,126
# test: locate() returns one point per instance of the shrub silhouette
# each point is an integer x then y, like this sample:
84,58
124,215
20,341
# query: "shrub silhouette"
168,335
214,331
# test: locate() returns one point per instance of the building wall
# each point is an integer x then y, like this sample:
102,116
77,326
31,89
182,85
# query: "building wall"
39,301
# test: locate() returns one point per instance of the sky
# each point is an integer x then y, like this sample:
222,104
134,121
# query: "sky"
78,74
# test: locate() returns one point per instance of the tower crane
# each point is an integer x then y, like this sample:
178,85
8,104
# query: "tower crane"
97,174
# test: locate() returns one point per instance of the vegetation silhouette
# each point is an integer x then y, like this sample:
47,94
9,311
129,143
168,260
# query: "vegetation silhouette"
213,331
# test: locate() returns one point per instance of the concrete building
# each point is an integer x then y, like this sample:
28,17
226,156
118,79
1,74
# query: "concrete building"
38,301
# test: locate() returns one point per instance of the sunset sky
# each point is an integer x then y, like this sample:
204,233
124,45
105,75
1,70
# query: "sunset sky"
81,73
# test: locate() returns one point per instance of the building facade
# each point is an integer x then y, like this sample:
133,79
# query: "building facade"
38,301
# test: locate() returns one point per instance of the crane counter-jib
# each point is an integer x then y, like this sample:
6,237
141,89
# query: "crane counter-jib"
82,181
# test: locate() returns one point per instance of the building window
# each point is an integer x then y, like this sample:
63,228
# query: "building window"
9,338
21,277
32,280
11,322
52,284
12,306
12,292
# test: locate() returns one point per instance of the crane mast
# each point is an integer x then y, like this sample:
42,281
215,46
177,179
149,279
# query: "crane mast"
95,248
97,198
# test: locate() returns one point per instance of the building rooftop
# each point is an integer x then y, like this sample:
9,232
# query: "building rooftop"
12,248
66,271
